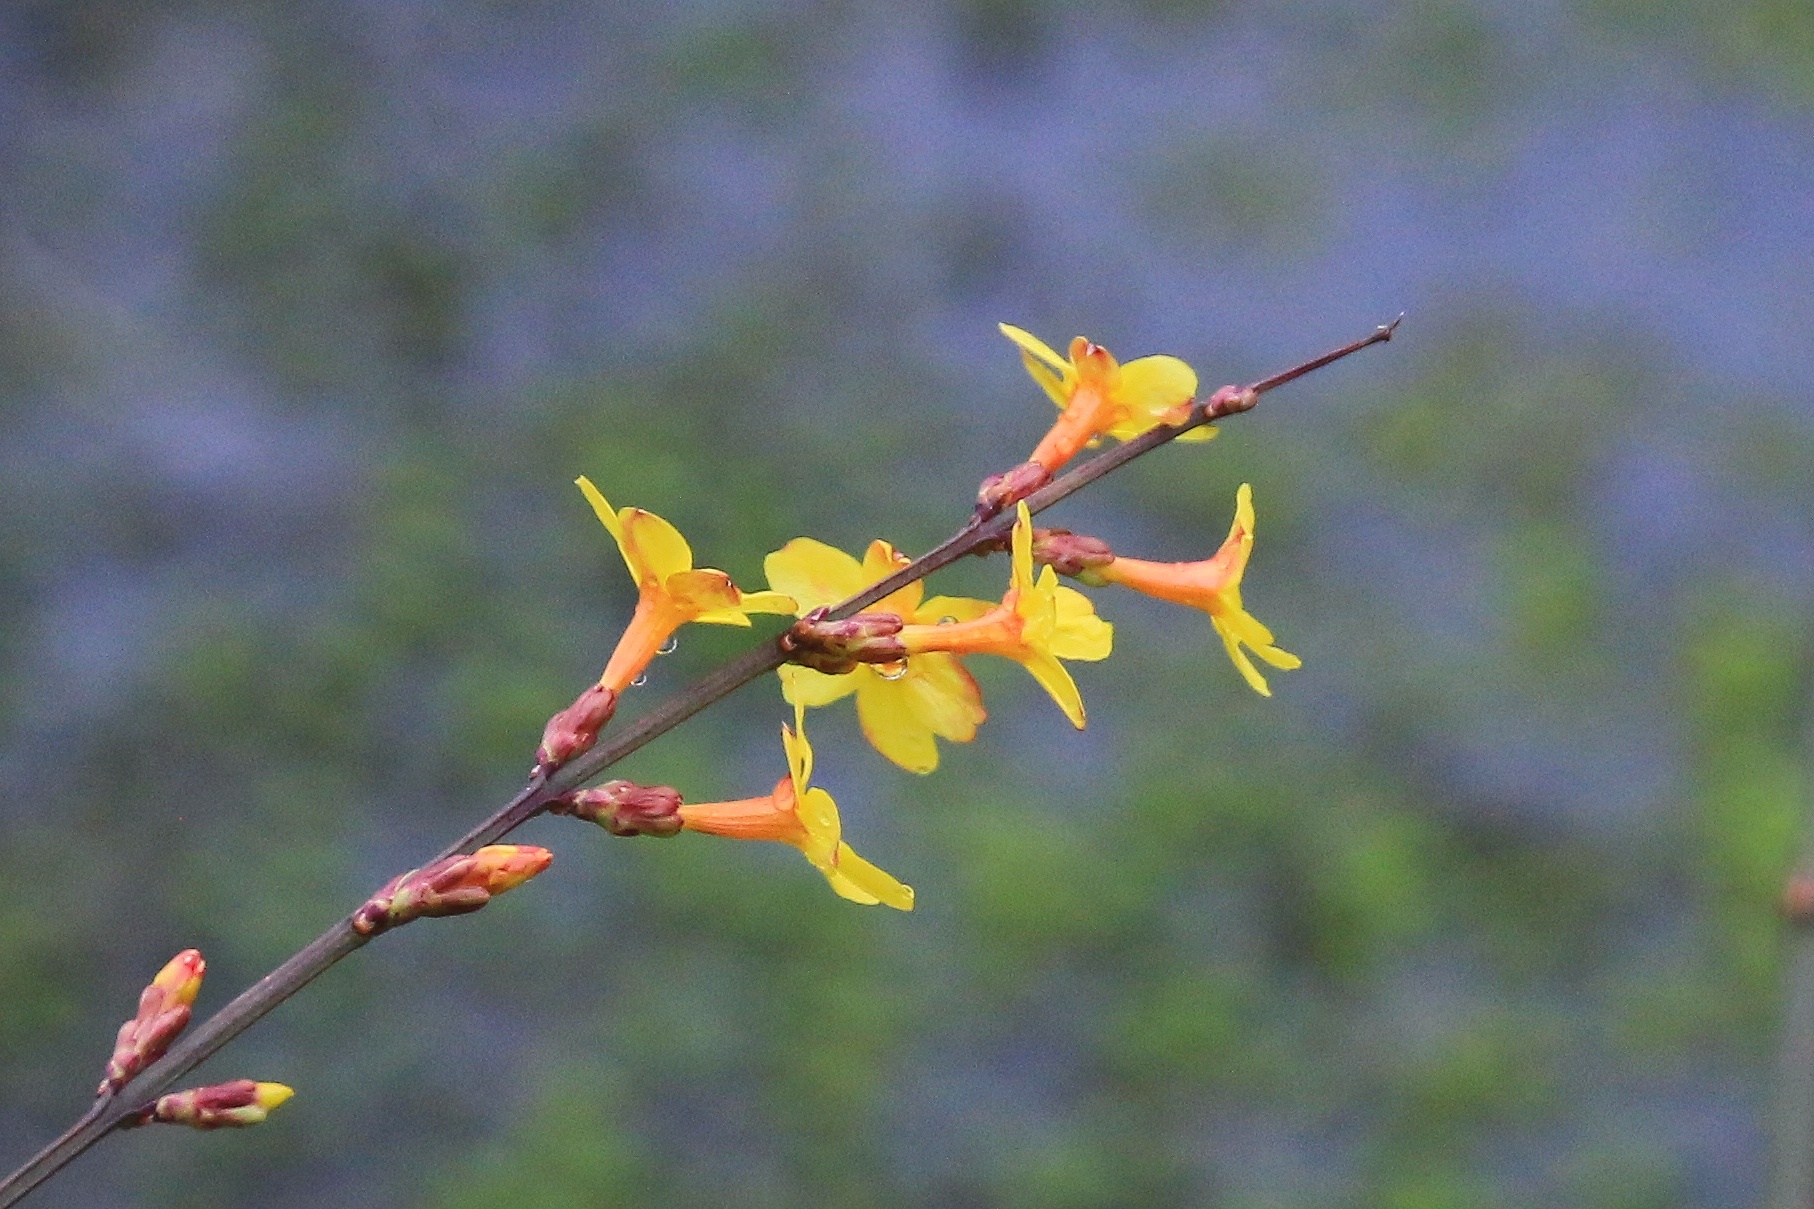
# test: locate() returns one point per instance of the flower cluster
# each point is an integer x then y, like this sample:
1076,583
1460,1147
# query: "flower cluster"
905,657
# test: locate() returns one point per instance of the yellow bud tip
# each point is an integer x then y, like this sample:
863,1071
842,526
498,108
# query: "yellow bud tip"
507,866
181,977
271,1095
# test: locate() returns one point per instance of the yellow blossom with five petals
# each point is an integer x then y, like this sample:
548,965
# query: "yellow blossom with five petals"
799,813
1213,585
901,709
670,590
1098,396
1038,622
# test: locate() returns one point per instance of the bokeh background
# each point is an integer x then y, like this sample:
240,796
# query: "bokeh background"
310,312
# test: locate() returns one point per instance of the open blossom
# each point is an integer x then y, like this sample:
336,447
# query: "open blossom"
901,707
670,590
164,1008
799,813
1097,396
670,593
1038,622
1213,585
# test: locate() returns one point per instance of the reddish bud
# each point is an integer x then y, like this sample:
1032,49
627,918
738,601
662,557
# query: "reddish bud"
163,1013
1071,554
1008,488
836,647
454,886
232,1105
625,808
574,730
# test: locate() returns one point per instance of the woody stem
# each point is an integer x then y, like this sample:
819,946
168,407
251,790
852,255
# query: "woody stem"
338,941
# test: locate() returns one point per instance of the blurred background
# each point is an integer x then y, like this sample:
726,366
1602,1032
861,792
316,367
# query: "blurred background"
310,313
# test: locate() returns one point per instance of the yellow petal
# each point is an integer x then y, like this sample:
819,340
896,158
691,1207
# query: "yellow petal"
1202,432
1242,663
1277,658
1030,343
886,711
653,547
769,602
613,523
814,574
945,696
805,687
1151,386
799,752
1079,633
818,813
1055,386
861,882
879,562
1055,680
957,608
1021,572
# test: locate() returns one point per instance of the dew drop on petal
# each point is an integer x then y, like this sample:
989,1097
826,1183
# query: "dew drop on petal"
668,647
642,678
892,671
947,620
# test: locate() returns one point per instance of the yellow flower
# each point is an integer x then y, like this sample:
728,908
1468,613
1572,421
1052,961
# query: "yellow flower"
805,816
1096,396
671,592
1213,585
1037,623
901,708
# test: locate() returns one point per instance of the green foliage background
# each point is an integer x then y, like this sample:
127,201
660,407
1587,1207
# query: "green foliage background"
310,313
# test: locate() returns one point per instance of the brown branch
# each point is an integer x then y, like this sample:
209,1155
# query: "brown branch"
338,941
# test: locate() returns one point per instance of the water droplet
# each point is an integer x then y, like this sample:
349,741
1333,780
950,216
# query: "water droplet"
642,678
947,620
668,647
892,671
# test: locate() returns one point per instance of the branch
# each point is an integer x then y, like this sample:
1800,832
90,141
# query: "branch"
977,536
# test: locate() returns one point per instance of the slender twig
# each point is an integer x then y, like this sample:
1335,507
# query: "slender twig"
338,941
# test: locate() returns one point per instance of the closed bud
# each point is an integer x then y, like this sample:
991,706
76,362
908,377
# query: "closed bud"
164,1008
625,808
232,1105
836,647
574,730
1008,488
453,886
1071,554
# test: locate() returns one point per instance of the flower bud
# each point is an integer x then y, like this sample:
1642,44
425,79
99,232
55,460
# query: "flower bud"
574,730
625,808
163,1013
232,1105
1008,488
836,647
453,886
1071,554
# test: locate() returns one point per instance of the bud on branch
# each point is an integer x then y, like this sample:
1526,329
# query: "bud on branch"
624,808
453,886
232,1105
163,1013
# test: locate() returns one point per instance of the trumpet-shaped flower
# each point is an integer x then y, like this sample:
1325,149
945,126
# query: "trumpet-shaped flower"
1098,396
1038,622
801,814
670,590
1213,585
901,707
